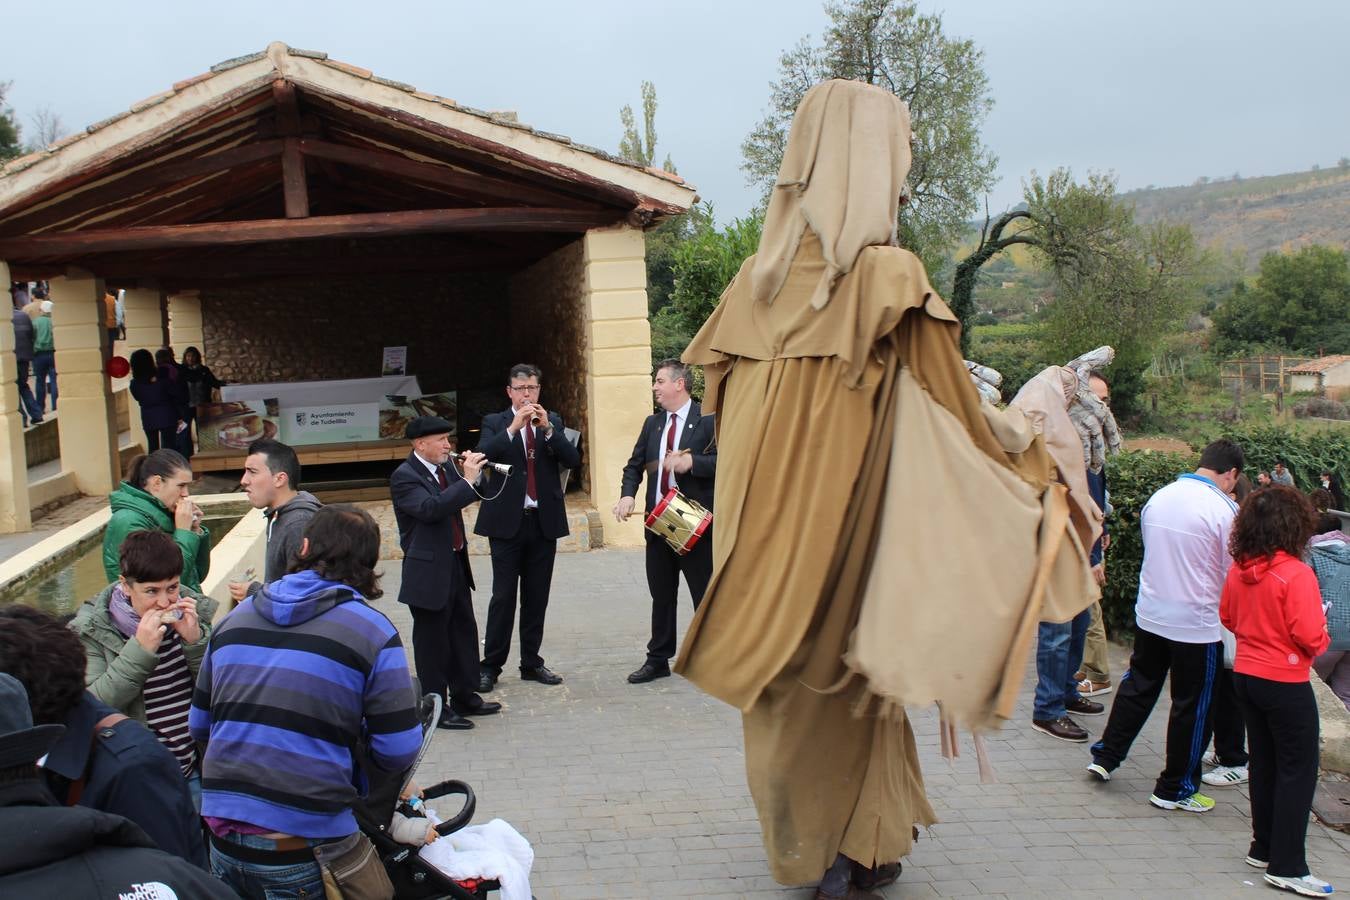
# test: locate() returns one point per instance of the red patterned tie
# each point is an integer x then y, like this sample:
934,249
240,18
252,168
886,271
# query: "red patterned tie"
670,446
529,464
456,526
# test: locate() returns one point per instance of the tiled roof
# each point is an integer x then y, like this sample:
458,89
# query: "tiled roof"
24,162
1322,364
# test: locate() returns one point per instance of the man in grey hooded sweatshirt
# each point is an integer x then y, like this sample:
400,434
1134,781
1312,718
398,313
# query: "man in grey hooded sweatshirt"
271,475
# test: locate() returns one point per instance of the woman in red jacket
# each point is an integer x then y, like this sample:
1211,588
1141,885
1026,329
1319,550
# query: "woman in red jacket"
1272,604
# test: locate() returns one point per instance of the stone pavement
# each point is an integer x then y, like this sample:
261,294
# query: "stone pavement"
639,791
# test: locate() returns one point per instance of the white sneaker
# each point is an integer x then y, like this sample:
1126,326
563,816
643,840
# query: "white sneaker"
1225,776
1308,886
1100,771
1256,863
1210,759
1195,803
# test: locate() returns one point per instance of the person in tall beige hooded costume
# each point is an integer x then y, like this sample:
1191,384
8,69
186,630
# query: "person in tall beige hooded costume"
859,477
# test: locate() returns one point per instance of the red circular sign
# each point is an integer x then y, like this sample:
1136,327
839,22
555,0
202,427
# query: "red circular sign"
118,367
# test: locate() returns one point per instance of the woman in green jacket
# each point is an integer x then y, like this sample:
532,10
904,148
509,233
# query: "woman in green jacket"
155,498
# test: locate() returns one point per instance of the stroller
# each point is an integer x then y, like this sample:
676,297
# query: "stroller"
413,878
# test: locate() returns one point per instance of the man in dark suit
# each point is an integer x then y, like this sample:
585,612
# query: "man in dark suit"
677,448
437,579
522,523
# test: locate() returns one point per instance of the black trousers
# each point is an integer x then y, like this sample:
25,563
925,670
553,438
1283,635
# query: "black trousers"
1230,735
664,566
1194,669
525,560
1282,734
157,438
445,648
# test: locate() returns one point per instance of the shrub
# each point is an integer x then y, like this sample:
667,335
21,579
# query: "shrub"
1322,408
1132,477
1307,452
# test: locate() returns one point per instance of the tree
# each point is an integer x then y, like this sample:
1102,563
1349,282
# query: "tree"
704,264
1144,284
1067,223
47,128
9,127
889,43
641,146
1300,304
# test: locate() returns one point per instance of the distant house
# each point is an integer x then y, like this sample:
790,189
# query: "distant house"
1329,375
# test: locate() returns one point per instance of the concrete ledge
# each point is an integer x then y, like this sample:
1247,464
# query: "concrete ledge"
50,553
1335,728
52,489
243,548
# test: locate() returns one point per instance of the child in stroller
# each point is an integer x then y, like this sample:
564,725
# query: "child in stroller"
392,810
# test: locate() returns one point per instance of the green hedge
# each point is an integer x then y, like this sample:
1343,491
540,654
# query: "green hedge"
1132,477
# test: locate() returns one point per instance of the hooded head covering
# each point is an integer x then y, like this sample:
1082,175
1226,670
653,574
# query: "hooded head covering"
842,174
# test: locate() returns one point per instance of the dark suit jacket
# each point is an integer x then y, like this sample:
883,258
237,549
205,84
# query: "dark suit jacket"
431,569
500,518
698,436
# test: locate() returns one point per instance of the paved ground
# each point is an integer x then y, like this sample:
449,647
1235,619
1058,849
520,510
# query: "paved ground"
639,791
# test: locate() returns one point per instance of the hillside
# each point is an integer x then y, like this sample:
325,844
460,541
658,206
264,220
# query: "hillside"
1257,215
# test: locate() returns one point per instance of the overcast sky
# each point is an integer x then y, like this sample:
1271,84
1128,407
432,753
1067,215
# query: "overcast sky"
1159,92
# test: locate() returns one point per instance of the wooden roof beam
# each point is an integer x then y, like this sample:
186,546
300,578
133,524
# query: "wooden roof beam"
292,163
421,221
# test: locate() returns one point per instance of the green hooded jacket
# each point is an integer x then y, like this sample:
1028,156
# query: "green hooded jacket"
135,510
117,665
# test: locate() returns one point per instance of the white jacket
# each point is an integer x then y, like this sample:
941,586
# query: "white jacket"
1185,528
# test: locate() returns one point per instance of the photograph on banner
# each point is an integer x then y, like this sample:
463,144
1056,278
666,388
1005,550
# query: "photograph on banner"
235,425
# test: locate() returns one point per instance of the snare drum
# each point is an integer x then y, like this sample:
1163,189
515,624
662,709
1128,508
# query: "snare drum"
679,520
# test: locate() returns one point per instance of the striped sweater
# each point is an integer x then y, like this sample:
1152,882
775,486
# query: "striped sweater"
168,695
292,679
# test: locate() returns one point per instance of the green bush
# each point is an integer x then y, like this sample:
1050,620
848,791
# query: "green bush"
1308,452
1132,476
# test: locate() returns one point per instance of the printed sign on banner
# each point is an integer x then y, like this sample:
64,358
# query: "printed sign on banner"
301,425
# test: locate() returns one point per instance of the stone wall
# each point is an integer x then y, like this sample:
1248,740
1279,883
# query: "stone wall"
457,329
549,331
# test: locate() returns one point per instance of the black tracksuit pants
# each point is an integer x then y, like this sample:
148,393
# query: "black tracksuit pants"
1195,671
1282,737
1230,735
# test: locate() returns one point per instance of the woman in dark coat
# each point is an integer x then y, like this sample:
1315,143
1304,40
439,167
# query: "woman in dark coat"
160,410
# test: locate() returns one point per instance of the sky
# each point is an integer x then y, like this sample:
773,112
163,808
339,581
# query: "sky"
1160,93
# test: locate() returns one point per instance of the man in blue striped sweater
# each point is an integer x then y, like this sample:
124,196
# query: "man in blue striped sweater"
293,679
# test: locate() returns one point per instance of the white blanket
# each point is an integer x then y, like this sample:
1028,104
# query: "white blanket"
495,850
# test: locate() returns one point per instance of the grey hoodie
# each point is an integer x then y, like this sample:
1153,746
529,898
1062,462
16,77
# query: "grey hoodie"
285,525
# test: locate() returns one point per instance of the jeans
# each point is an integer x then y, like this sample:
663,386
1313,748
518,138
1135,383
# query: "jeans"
1059,653
28,405
262,882
44,369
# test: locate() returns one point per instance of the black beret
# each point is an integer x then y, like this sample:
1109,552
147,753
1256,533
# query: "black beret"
423,426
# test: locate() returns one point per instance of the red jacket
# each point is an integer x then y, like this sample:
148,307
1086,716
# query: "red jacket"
1274,608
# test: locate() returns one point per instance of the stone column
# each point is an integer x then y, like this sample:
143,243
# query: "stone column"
14,510
87,417
185,323
147,329
618,367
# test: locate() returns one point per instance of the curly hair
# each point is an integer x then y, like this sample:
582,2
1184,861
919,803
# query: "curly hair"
46,656
1321,499
1273,519
344,546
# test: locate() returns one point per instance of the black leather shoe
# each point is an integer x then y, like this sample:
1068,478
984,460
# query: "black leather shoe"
453,721
486,682
541,674
482,708
649,672
868,879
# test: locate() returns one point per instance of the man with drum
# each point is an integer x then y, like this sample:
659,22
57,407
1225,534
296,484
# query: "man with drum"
678,451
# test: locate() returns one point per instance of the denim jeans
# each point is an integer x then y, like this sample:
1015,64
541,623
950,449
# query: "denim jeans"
297,881
1059,653
28,405
44,370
